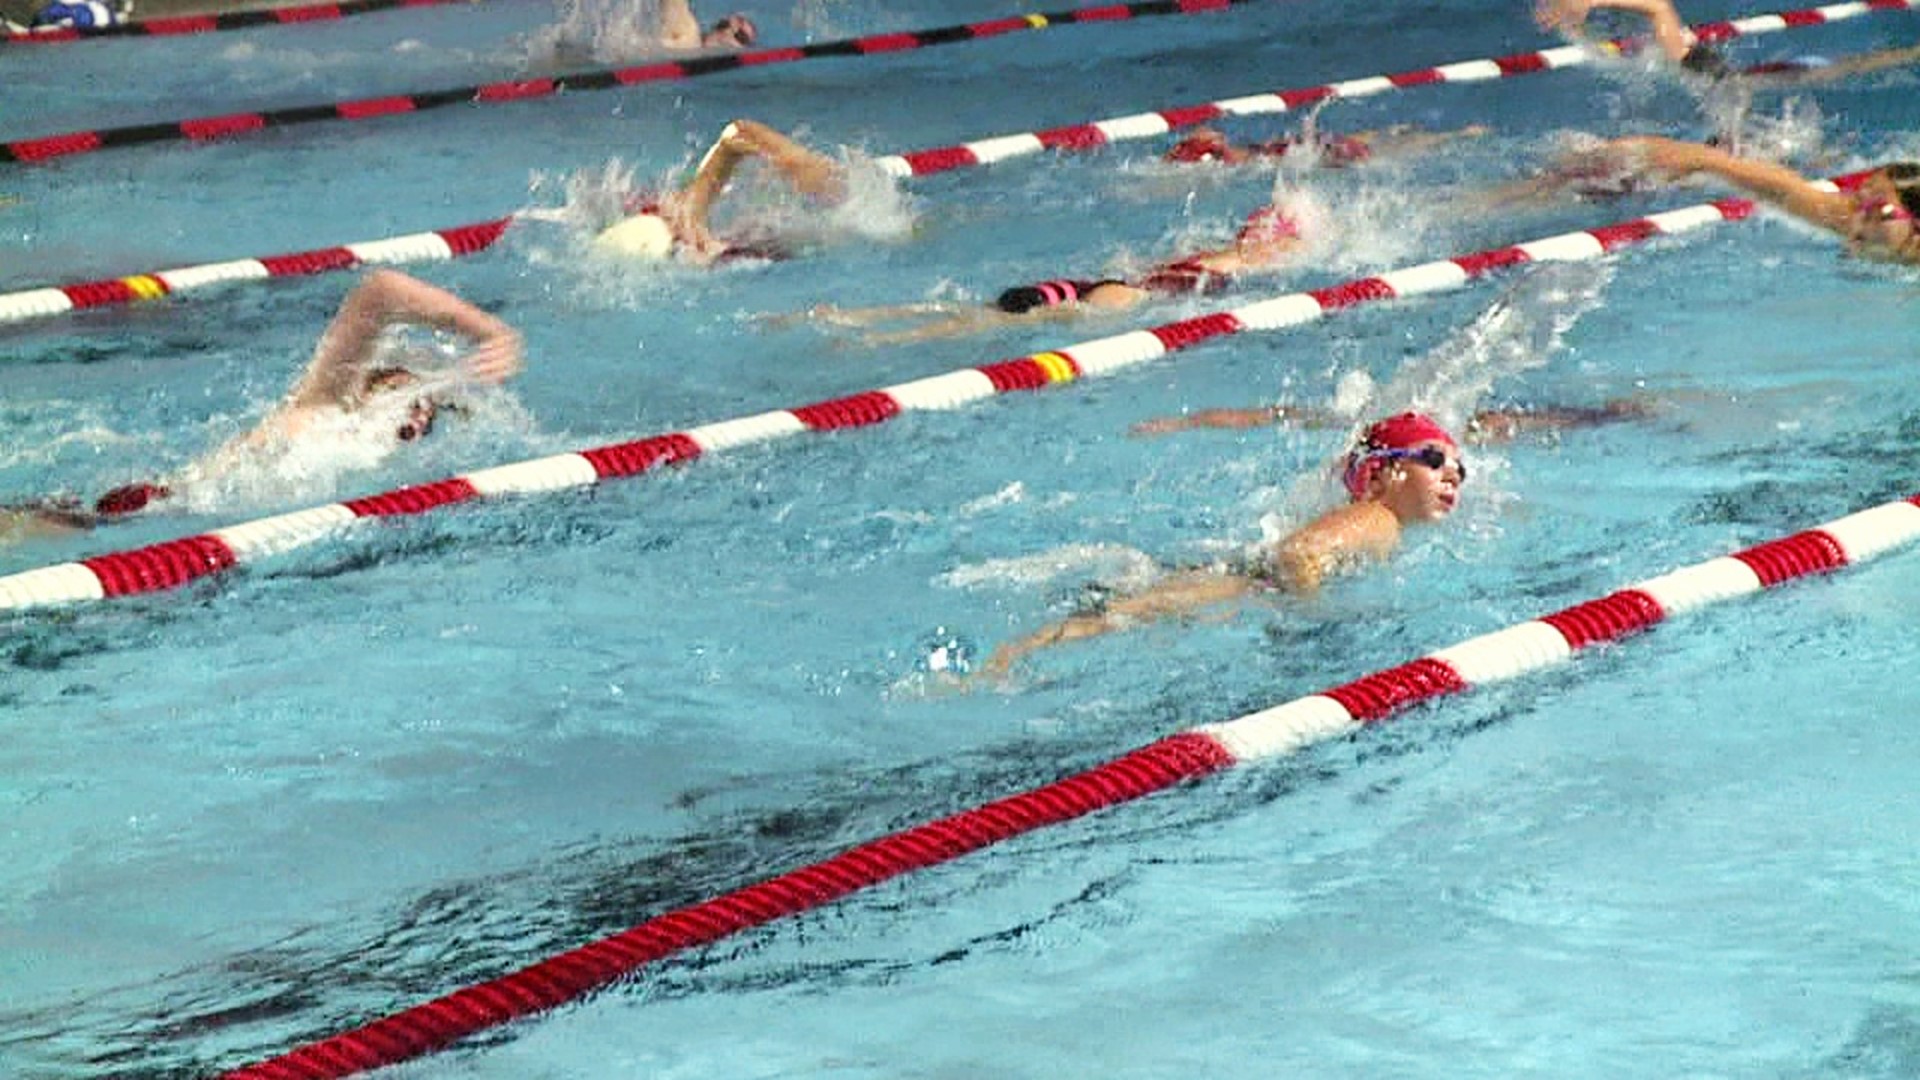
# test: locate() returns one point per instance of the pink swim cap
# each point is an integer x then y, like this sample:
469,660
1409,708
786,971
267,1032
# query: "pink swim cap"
1402,432
1267,225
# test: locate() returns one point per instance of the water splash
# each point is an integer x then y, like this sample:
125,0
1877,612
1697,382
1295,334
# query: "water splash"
598,32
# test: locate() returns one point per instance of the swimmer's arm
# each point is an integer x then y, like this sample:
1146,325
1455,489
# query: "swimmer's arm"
1775,183
1178,594
678,28
1336,538
1669,30
972,319
1501,425
1289,415
1848,66
385,298
833,315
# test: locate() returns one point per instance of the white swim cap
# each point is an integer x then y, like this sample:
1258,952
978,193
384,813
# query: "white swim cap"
642,236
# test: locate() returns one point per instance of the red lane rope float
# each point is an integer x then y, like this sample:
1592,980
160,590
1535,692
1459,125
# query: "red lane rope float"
1098,133
226,20
172,564
200,129
438,245
1177,759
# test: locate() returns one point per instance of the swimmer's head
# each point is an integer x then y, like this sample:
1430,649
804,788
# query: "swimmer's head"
1203,145
1409,464
1887,206
1024,298
421,411
734,31
1268,225
644,237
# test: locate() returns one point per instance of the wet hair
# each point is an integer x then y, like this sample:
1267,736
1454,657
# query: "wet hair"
1905,178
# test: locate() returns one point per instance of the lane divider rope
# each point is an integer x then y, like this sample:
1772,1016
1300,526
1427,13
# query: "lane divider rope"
1159,766
202,129
439,245
49,300
225,20
175,563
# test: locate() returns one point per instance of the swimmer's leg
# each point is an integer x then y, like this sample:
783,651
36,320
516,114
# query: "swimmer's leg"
19,523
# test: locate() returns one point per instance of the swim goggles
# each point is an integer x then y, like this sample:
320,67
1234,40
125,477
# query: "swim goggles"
1431,456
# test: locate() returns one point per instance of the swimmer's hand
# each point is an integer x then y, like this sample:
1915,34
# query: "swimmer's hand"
496,359
1561,16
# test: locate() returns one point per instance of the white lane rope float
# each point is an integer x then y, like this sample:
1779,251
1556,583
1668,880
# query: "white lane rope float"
50,300
174,563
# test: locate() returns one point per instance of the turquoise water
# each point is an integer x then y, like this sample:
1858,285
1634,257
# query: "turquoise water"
345,780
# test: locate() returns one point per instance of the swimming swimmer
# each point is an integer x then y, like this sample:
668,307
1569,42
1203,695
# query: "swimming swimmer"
1876,220
1681,46
678,224
1206,144
1486,426
1270,236
680,30
1403,471
339,382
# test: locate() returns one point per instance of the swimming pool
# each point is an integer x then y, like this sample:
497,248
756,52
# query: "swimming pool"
272,805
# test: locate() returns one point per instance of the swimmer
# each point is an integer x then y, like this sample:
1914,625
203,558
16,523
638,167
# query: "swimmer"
1269,237
680,30
85,16
1486,426
1206,144
677,224
1403,471
339,382
1876,219
1681,46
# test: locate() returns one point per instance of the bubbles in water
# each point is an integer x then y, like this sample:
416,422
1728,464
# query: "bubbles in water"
944,652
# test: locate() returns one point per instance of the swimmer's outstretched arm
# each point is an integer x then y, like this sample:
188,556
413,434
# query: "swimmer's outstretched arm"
1777,184
1179,594
1290,415
1848,66
383,298
1487,425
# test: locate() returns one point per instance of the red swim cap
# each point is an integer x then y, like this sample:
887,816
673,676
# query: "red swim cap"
1402,432
1267,225
1207,147
1406,430
128,498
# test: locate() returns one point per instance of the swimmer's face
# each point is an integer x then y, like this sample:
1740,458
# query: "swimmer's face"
420,411
1420,483
1881,219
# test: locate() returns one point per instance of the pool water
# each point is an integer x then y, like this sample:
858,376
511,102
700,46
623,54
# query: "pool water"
331,785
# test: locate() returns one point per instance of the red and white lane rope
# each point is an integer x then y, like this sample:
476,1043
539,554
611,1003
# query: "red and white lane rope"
439,245
204,128
293,15
174,563
1190,755
1149,124
43,301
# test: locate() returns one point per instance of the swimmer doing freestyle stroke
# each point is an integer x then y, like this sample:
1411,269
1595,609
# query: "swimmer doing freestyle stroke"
340,391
